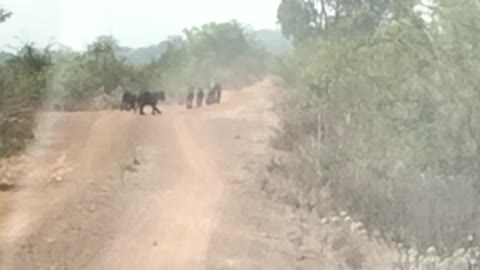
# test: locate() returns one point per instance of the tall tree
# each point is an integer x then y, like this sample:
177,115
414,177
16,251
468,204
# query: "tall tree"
304,19
300,19
106,61
4,15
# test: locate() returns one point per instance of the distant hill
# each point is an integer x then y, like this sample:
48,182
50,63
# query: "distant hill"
274,41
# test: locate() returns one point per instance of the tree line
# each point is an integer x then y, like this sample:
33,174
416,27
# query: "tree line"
34,78
382,114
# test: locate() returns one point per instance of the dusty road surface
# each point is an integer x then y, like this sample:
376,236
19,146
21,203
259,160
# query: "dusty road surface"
152,192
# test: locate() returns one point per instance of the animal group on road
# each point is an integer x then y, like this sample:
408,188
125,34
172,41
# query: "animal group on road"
131,101
214,95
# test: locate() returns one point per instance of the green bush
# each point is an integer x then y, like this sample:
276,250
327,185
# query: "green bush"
388,122
22,84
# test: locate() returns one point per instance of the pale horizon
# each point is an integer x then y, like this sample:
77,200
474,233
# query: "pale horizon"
134,24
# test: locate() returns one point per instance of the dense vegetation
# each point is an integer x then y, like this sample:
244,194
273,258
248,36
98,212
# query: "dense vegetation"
22,80
34,78
383,114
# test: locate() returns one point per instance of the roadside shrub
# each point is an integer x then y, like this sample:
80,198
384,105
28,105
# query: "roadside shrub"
388,123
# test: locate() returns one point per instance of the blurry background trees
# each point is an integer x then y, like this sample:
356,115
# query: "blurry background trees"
33,78
22,84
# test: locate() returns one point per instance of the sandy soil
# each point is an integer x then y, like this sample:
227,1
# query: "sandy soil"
176,191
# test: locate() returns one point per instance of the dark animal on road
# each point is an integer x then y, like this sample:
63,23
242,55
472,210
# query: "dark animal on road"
200,96
129,101
217,89
190,97
57,107
210,97
214,94
147,98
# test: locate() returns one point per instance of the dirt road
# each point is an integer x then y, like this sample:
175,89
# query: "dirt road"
152,192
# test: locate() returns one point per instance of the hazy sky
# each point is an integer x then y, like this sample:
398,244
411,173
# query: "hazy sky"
133,22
